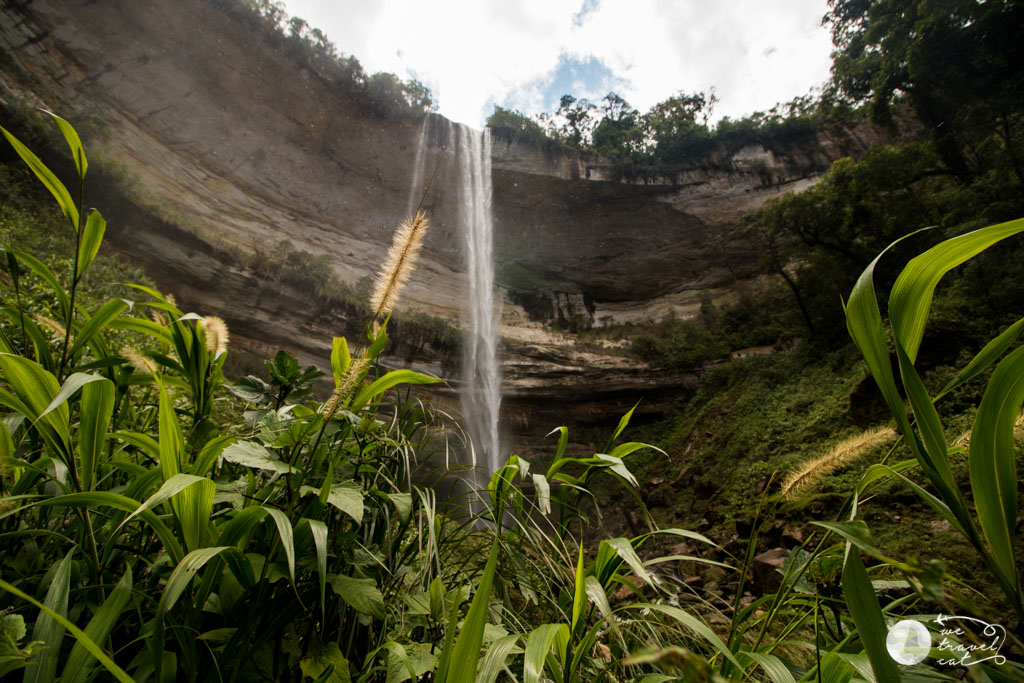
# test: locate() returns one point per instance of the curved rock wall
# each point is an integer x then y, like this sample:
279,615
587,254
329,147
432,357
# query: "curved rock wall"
229,145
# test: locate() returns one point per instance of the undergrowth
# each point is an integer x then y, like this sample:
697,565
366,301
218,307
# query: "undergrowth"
170,539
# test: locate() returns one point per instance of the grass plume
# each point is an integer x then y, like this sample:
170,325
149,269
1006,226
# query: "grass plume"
216,334
843,453
353,376
50,323
140,362
398,266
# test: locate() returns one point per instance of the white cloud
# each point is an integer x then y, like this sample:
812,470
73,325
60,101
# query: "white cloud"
472,53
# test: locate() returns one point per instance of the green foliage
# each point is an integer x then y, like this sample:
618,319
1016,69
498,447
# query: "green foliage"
287,542
953,61
383,94
755,318
993,473
294,541
516,126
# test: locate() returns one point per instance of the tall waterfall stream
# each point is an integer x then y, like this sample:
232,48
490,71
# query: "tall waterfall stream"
466,162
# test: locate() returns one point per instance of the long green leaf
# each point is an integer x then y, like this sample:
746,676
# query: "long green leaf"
692,623
860,598
933,456
773,667
79,635
92,238
992,463
388,381
624,549
43,271
319,532
911,296
538,647
172,444
49,630
148,327
81,661
579,596
466,653
284,530
37,388
97,407
74,143
97,322
194,506
494,660
191,499
988,355
125,504
864,322
623,421
73,383
177,582
340,359
55,186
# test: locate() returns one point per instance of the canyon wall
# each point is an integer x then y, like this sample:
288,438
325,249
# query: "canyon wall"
222,144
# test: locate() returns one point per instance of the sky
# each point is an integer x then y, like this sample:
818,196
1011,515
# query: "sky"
525,54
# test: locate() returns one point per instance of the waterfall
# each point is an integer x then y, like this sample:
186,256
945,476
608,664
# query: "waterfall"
467,173
482,396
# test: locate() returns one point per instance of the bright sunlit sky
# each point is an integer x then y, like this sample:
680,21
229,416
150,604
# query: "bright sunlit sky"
525,54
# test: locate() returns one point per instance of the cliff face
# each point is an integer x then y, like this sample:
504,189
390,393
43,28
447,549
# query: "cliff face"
230,146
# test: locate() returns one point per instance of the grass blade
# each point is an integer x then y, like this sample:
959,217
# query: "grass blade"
388,381
92,238
97,322
126,504
538,647
284,530
466,653
74,143
43,271
867,615
81,662
988,355
97,407
72,384
992,464
340,359
48,629
911,296
494,661
55,186
79,635
579,596
319,532
694,624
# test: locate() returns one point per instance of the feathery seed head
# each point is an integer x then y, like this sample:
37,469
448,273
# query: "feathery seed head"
52,324
158,317
398,265
216,334
140,362
843,453
353,376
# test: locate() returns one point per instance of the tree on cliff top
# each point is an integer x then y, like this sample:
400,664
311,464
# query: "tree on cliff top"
955,61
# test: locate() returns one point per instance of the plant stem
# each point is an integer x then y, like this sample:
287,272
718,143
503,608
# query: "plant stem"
74,281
